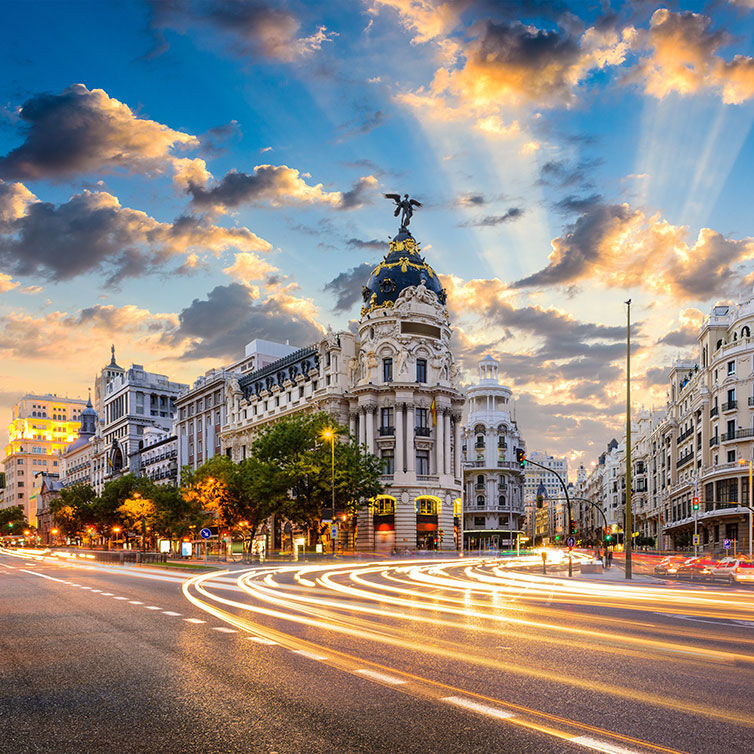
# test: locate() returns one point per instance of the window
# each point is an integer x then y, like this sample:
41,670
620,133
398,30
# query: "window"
388,462
480,481
421,417
421,370
384,506
422,462
386,417
501,501
478,520
427,506
731,367
387,370
480,501
731,456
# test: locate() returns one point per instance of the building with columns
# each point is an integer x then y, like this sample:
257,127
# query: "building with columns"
394,384
493,500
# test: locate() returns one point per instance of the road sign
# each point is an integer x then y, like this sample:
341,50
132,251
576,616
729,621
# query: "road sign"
570,541
205,533
696,539
726,544
334,531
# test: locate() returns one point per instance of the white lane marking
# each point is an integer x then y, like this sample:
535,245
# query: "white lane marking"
380,676
96,590
120,598
34,573
85,587
169,612
261,640
105,594
70,582
605,746
224,630
135,602
310,655
153,607
194,620
473,706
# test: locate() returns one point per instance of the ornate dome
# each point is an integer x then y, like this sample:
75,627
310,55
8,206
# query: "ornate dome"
402,267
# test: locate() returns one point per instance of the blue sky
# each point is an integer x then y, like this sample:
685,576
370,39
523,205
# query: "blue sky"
568,156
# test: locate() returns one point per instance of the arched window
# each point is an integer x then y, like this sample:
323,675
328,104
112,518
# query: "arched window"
480,501
480,481
745,332
719,343
735,336
480,441
501,501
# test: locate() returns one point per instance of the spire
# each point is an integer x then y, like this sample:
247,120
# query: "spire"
112,357
89,400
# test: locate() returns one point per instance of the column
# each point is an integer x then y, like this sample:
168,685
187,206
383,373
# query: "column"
458,449
410,448
352,423
399,465
362,427
370,427
439,447
447,468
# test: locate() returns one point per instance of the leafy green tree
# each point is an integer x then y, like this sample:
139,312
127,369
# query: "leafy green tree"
174,515
73,510
12,520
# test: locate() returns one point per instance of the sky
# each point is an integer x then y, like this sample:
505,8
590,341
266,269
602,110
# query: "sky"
179,177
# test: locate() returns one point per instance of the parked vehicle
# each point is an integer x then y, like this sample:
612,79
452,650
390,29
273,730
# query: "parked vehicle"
668,566
734,571
697,569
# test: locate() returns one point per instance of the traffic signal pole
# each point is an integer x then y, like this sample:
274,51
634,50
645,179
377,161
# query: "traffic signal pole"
523,460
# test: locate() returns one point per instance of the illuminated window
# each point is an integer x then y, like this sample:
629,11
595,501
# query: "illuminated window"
426,506
384,506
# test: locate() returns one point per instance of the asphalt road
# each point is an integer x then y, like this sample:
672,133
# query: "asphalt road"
456,658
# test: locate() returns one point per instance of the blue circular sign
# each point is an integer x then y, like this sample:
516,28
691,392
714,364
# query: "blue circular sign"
205,533
570,541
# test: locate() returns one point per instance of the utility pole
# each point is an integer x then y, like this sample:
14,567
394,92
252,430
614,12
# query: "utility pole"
628,526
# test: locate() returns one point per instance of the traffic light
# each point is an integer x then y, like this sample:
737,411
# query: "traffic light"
695,503
540,501
608,537
574,528
557,537
521,457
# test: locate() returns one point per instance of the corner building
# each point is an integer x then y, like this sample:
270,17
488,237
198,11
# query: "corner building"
394,386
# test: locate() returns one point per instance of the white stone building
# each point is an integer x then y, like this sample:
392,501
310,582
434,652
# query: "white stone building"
551,519
394,385
159,456
200,410
493,500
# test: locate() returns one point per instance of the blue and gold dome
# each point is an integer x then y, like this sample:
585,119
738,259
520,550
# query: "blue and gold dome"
403,266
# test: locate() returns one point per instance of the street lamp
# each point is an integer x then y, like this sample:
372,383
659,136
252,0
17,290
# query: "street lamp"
329,435
751,504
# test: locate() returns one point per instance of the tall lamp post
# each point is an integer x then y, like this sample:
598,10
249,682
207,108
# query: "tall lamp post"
329,434
628,529
751,503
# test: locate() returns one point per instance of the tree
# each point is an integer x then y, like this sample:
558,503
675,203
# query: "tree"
12,520
174,515
73,510
137,510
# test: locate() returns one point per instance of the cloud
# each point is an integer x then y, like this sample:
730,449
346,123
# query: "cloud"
366,125
85,131
220,325
7,283
277,185
683,59
92,231
374,243
656,376
490,221
347,286
621,247
253,28
572,203
248,267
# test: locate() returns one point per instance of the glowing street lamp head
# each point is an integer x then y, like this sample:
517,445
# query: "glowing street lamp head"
328,434
53,531
26,532
116,529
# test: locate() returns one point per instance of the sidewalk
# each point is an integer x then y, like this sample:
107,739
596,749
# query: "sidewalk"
614,574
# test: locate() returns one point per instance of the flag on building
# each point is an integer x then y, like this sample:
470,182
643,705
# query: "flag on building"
433,410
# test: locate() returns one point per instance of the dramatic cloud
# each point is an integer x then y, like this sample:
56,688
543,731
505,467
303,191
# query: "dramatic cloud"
248,268
229,317
623,248
490,221
253,27
92,231
374,243
683,59
347,286
7,283
83,131
277,185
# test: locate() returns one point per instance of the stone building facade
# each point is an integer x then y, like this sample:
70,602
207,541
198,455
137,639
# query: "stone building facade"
493,500
394,384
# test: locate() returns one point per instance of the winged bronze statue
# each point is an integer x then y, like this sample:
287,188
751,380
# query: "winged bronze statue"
404,206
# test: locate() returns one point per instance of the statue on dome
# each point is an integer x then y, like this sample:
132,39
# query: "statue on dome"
405,207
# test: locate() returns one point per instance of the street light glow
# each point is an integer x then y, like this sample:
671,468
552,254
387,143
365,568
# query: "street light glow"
328,434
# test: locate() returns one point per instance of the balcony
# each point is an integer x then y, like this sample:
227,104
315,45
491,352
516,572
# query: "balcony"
729,406
387,431
713,411
479,486
714,441
427,478
479,445
683,460
423,431
739,434
684,435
